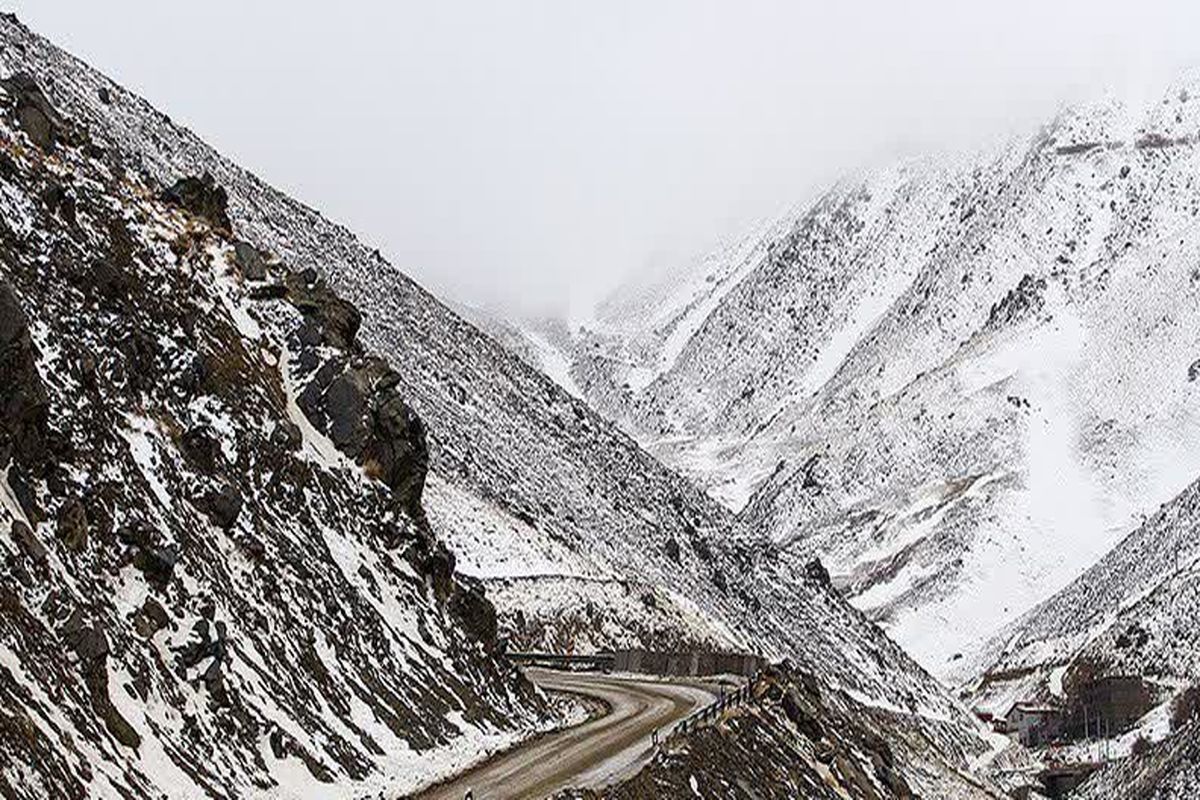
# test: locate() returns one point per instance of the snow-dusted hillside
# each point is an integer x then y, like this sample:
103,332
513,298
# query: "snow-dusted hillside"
958,381
1133,614
537,495
1170,770
216,578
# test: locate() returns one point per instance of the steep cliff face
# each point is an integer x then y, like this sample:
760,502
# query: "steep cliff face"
217,576
958,381
536,496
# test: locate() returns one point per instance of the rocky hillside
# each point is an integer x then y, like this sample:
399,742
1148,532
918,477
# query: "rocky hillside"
793,739
1130,616
959,381
535,494
1170,770
218,578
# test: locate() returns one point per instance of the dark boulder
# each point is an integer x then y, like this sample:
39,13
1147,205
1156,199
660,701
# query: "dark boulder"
328,318
157,563
39,120
222,506
357,406
150,618
90,645
72,525
209,641
24,495
28,542
201,449
249,260
88,642
137,534
24,404
203,198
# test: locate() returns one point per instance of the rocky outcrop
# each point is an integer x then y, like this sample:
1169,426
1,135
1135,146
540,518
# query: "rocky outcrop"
328,319
192,601
354,401
203,198
33,113
24,405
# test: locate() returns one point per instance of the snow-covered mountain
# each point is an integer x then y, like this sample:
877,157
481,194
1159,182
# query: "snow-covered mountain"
959,381
119,259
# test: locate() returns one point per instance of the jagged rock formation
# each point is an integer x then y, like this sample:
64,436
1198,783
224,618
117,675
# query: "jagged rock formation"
216,577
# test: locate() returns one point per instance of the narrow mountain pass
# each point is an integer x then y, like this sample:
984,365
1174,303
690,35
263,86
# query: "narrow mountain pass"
595,753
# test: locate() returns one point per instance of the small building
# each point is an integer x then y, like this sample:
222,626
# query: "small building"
1033,724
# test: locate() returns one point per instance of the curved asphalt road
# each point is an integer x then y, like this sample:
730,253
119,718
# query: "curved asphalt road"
592,754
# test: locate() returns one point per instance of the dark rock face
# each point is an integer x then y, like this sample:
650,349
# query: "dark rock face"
1024,300
73,525
328,318
34,114
222,505
23,401
471,606
249,261
356,404
815,572
201,197
29,544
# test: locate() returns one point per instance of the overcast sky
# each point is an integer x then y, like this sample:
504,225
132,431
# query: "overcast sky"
531,153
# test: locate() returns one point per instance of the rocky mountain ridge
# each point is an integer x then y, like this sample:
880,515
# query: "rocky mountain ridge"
218,576
526,485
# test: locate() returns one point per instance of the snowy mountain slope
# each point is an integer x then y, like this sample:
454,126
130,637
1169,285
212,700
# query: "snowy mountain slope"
959,381
1170,770
215,580
1132,614
505,438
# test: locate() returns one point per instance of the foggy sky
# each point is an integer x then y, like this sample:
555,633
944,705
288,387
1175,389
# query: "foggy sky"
528,154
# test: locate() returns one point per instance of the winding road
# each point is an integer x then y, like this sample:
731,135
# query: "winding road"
592,754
